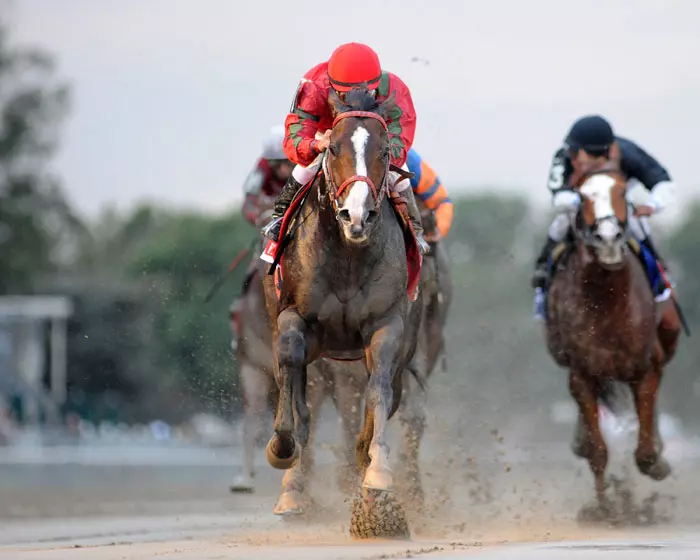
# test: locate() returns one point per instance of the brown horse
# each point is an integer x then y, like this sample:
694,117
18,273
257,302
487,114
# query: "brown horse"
603,324
344,288
256,371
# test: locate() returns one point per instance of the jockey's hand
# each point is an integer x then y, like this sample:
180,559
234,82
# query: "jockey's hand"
643,210
323,142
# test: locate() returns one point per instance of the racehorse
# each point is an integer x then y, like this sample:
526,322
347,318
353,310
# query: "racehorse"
344,289
436,286
256,372
603,324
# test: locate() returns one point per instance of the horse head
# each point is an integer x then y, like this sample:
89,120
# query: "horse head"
601,221
356,164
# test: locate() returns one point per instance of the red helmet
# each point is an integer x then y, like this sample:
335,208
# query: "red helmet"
354,64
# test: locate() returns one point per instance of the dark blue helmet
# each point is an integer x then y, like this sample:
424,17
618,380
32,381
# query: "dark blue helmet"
592,134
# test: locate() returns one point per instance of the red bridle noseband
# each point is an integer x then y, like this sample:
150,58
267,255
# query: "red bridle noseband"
336,191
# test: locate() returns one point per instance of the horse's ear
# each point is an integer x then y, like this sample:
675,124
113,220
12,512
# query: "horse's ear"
337,105
387,106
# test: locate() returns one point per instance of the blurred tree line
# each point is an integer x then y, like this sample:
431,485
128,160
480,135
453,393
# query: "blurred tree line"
143,343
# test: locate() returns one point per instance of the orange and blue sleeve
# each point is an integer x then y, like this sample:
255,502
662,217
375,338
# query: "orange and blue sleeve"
427,186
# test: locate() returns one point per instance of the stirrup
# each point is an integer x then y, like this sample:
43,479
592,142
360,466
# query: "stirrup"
423,245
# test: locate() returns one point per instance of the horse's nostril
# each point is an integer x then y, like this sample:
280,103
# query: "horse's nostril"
344,215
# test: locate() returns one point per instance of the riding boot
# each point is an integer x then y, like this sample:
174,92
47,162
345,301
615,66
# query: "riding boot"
284,199
539,278
414,216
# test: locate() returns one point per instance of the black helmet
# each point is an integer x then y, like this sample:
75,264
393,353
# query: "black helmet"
593,134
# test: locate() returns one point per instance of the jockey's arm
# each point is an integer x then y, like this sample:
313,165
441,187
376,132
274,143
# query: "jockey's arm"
428,187
564,199
401,122
638,164
302,123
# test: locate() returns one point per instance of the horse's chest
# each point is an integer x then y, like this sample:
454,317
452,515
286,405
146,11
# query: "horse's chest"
608,349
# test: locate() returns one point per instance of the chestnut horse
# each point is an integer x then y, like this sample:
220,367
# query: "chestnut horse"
603,324
344,288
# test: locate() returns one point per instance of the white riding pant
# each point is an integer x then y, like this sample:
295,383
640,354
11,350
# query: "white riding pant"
639,227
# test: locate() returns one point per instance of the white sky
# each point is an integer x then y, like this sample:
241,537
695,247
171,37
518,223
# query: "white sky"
173,97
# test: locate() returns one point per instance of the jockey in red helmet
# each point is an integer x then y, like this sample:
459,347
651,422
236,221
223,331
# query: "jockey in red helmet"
309,122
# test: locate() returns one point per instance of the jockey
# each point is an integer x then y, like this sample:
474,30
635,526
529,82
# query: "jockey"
593,135
426,185
309,122
268,176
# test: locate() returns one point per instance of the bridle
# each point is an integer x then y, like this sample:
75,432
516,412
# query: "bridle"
336,191
586,233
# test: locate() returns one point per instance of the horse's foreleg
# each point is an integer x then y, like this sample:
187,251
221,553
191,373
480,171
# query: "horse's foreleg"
256,388
290,350
648,454
382,359
584,392
293,499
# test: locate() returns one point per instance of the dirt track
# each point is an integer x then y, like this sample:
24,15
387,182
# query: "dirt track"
497,495
494,476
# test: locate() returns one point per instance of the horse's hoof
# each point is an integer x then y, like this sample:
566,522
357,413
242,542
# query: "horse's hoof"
656,468
242,483
378,478
377,515
281,455
289,503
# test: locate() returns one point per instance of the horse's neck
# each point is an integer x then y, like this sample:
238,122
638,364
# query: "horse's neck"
599,284
329,232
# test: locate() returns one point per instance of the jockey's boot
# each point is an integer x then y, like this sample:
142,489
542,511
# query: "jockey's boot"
284,199
414,216
539,278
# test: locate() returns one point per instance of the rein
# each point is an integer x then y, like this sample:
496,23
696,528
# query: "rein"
335,191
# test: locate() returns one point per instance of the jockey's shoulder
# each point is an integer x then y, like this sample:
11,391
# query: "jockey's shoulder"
630,149
392,83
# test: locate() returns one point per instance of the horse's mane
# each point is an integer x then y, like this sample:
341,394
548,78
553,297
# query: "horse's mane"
360,99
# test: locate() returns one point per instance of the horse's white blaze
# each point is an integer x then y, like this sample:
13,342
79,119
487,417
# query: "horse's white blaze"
598,189
359,191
